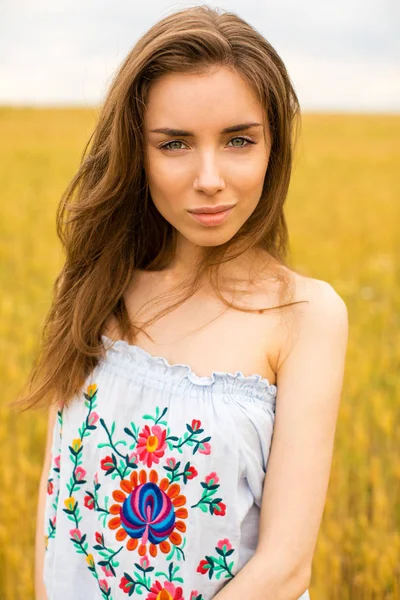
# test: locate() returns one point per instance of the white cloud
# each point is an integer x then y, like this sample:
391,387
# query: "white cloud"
342,55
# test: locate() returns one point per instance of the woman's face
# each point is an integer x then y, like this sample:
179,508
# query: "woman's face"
201,165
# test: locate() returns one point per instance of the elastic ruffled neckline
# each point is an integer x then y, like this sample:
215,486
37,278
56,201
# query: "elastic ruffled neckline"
131,351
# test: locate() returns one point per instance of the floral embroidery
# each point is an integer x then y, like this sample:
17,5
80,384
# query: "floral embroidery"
214,505
146,511
218,564
53,489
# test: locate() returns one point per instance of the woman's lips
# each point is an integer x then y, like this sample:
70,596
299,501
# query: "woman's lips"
212,218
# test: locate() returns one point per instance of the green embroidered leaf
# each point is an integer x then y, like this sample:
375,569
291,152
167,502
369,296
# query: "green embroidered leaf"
119,443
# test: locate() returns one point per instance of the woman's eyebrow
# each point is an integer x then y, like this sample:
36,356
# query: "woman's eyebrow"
184,133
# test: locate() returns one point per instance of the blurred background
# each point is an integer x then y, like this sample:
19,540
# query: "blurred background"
57,60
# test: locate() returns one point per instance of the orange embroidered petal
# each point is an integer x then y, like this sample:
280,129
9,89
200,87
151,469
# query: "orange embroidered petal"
126,485
164,483
134,478
179,501
153,550
175,538
115,509
180,525
165,547
121,535
132,543
114,523
181,513
174,490
153,477
118,495
142,476
142,549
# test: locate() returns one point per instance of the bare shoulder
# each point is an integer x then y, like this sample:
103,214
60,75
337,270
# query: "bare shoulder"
320,295
319,309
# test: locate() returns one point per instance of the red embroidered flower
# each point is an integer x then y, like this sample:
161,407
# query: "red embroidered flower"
221,509
99,538
107,464
203,567
50,487
196,424
125,585
89,502
191,472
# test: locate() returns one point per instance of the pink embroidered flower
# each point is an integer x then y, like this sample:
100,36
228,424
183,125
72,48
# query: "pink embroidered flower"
225,542
75,534
165,590
57,461
212,478
93,418
96,479
194,594
54,520
103,585
79,473
107,570
133,458
171,462
151,444
144,562
206,449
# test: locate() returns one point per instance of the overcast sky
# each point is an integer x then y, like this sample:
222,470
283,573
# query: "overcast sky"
341,56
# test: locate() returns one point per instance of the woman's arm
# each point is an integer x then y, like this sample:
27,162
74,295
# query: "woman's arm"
40,592
310,379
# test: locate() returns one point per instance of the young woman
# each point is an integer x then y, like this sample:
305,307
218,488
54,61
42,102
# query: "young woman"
182,356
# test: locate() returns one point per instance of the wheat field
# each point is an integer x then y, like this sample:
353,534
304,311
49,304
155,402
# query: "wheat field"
344,223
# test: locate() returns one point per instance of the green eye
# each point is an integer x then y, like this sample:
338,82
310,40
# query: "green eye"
167,147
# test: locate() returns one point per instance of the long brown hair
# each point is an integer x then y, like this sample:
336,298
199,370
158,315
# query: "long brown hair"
106,220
